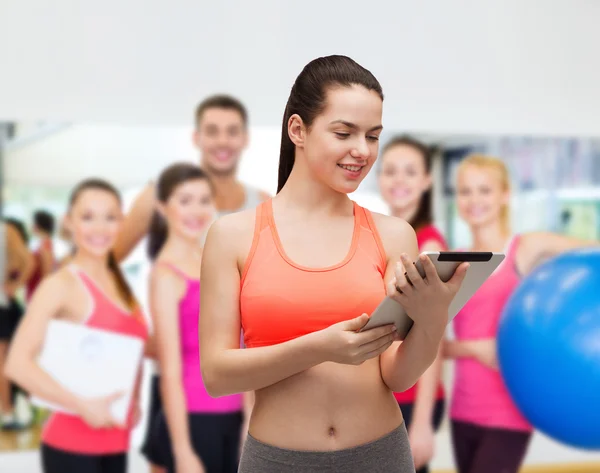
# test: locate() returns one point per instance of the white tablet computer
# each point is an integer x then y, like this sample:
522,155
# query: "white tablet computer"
91,362
482,265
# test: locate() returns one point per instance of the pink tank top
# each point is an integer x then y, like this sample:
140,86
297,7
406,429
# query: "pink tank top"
197,399
69,432
479,394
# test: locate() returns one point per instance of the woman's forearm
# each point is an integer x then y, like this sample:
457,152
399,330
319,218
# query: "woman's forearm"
402,366
171,389
238,370
151,348
459,349
33,379
426,394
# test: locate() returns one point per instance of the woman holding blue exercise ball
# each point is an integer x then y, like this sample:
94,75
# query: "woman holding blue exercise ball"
489,433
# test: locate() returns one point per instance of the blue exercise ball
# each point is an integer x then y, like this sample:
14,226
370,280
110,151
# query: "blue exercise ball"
549,348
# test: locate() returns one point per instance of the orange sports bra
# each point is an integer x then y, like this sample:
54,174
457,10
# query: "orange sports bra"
281,300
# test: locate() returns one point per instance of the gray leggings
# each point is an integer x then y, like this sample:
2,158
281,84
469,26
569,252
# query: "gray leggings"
388,454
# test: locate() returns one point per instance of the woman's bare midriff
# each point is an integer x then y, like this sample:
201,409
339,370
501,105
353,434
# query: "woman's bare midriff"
328,407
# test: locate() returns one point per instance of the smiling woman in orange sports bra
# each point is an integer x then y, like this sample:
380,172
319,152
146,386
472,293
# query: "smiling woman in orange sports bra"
300,274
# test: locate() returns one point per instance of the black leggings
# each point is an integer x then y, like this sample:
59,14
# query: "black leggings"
215,438
60,461
479,449
10,316
149,448
438,415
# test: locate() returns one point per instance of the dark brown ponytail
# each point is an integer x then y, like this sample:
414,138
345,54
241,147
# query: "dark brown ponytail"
122,286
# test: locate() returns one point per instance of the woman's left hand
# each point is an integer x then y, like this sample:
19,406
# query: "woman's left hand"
425,299
422,443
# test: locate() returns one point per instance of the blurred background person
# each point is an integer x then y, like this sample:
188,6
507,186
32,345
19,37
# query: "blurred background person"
18,266
90,291
489,433
405,184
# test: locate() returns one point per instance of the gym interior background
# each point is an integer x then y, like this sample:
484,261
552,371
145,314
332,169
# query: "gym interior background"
109,90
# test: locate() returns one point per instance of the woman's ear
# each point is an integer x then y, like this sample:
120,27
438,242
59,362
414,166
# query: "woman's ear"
296,130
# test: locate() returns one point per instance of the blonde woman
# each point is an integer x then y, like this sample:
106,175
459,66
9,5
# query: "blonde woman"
489,433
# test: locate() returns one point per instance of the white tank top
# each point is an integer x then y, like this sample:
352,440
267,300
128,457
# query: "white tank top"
252,200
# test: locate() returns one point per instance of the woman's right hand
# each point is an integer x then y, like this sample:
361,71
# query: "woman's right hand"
342,343
96,412
188,462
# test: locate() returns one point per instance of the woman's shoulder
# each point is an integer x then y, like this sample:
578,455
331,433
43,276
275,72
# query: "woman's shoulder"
231,235
242,220
389,223
60,282
165,272
397,235
429,233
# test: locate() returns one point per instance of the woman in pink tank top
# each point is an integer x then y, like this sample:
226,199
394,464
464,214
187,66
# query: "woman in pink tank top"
489,433
194,432
405,184
92,291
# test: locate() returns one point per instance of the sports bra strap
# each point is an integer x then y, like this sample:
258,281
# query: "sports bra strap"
367,218
174,268
261,221
263,216
512,247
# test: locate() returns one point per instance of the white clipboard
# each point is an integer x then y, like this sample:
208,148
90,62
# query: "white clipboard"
91,362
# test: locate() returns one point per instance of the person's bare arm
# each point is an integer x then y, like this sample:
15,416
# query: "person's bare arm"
429,382
404,364
226,368
426,394
483,350
151,348
46,261
21,365
537,247
454,349
20,260
229,369
166,289
136,223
